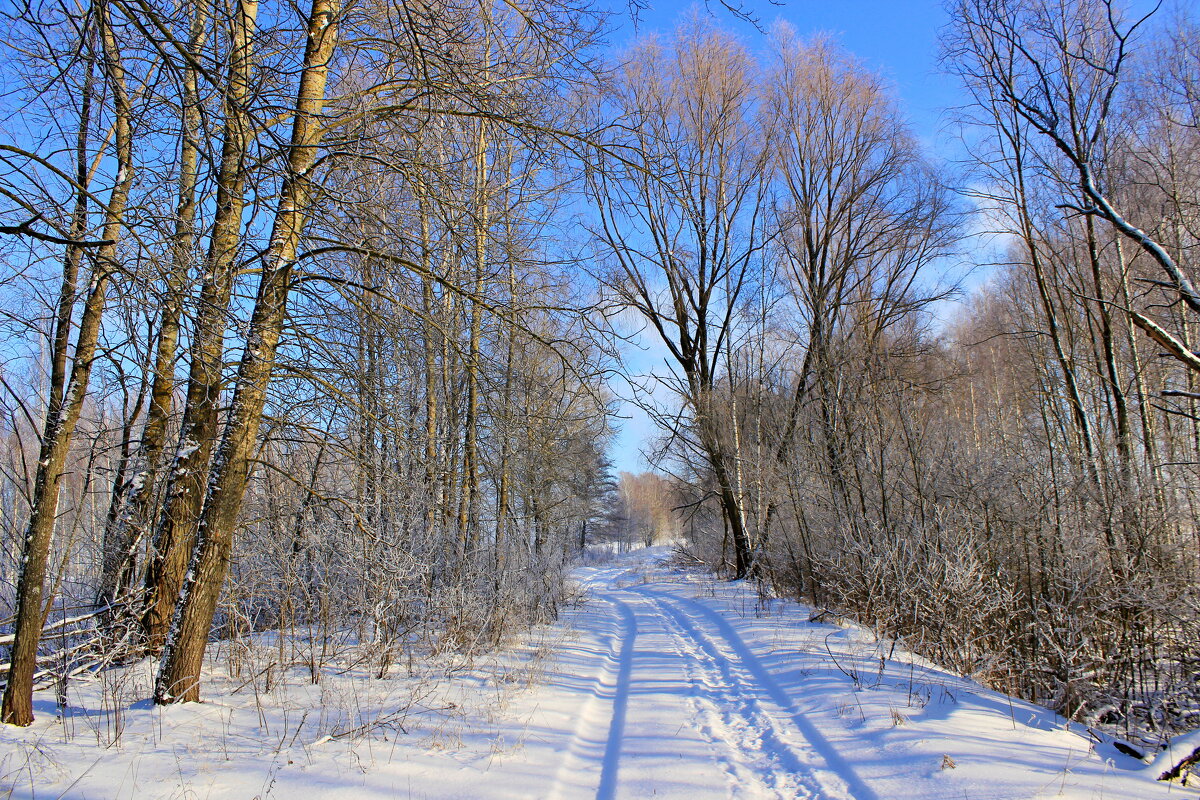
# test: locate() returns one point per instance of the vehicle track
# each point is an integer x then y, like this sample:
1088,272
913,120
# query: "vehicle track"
761,744
745,735
596,739
830,775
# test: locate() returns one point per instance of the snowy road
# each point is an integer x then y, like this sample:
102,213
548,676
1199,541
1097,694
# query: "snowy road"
657,683
693,689
676,684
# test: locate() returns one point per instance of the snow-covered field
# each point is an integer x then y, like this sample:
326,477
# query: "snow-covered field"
658,684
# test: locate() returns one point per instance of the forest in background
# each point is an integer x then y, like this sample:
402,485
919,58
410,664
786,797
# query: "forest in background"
309,315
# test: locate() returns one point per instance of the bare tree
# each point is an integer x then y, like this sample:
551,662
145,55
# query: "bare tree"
1059,66
67,399
680,208
861,218
179,675
187,481
135,513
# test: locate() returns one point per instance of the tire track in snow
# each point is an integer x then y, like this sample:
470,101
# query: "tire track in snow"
602,716
616,726
761,677
735,720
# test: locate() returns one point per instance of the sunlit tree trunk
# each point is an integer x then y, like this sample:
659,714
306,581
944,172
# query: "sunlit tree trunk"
136,512
186,484
32,606
179,675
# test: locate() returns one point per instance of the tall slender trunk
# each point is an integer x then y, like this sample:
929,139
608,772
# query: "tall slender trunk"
114,567
179,674
17,706
470,487
743,564
1112,374
1065,365
451,395
504,488
1145,415
1118,551
738,478
79,220
430,342
135,513
727,490
186,483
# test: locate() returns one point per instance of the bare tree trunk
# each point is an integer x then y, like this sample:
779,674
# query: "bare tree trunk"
470,487
504,489
135,513
79,219
430,344
1065,365
727,489
183,652
17,706
1121,407
186,484
113,562
1149,434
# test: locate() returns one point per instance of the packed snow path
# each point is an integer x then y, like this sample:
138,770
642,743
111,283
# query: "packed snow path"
656,683
675,682
704,690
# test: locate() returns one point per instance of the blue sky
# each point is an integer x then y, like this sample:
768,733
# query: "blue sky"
899,39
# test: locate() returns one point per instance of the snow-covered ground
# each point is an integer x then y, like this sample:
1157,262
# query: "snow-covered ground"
658,684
